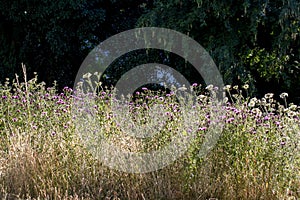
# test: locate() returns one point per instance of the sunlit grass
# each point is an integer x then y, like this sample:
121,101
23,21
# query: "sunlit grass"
42,157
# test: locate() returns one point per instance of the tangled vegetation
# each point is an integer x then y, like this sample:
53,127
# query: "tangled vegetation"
256,157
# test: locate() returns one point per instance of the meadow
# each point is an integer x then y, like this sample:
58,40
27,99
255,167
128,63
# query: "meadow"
257,156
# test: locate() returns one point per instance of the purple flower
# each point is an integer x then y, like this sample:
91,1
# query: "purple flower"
266,118
231,119
4,97
202,128
144,88
195,85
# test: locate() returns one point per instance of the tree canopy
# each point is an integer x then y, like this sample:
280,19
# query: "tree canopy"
255,42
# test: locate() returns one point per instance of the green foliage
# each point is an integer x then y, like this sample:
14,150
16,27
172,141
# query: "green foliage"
250,41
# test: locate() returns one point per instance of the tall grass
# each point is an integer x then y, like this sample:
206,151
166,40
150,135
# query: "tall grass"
256,157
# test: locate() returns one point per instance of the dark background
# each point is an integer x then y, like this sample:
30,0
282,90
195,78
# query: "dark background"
253,42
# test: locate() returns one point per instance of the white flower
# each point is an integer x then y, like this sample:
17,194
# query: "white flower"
251,104
87,75
269,95
254,99
227,87
183,88
283,95
201,96
236,87
256,111
293,107
246,86
210,87
291,113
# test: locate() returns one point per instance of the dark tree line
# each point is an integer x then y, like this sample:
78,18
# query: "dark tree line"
255,42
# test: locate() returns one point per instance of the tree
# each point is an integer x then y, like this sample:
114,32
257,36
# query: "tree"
53,37
254,42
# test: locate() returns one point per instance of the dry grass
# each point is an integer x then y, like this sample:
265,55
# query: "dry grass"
42,158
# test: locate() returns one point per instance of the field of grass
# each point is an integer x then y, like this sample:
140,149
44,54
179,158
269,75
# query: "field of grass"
257,155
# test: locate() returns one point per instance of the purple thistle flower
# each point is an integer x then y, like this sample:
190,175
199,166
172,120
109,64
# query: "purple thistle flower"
202,128
231,119
266,118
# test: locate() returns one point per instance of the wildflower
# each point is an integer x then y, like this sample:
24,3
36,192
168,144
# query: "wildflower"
14,119
269,95
254,99
292,107
195,85
201,96
256,111
251,104
291,113
227,87
87,75
144,88
4,97
266,118
183,88
246,86
236,87
231,119
202,128
283,95
209,87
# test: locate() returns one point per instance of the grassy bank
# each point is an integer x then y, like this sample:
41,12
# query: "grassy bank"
256,157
